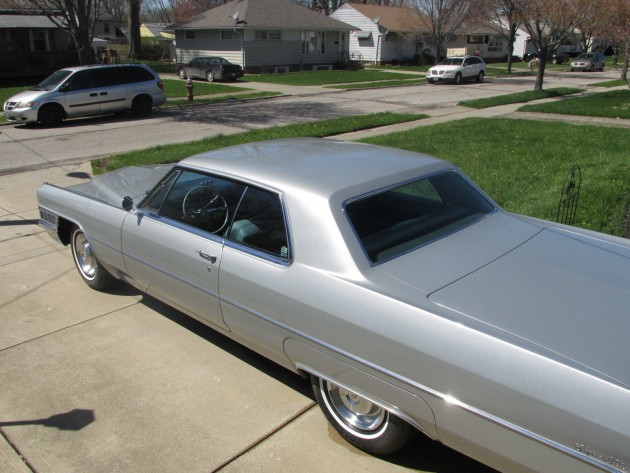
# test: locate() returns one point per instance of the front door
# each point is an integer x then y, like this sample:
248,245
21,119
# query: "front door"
173,244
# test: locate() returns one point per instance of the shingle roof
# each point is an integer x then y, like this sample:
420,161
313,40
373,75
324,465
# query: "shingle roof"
267,14
396,19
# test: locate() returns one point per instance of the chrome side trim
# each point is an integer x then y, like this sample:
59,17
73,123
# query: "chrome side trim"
596,462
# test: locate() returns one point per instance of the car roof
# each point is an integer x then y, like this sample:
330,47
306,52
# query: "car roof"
320,166
100,66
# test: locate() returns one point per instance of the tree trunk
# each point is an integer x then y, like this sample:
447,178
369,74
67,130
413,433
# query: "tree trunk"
540,72
135,41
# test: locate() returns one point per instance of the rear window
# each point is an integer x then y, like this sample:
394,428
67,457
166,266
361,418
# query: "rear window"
399,219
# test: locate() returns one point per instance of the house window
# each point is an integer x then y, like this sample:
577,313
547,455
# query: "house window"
39,41
263,35
477,39
226,34
190,35
495,44
313,42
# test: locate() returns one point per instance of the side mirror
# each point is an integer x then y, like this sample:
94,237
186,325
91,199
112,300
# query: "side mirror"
127,203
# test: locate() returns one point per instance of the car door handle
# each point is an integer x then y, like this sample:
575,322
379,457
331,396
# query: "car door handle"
211,258
94,94
103,93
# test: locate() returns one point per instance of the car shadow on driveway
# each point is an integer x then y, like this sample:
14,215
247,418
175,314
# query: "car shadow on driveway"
421,454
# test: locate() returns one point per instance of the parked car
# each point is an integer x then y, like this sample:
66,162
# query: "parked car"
210,68
457,69
410,299
588,62
554,58
88,90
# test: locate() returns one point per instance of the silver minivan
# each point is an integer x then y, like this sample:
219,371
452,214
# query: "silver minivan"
88,90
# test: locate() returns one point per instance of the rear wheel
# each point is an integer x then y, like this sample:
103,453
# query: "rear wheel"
361,422
182,73
50,115
480,77
458,79
89,267
142,106
210,76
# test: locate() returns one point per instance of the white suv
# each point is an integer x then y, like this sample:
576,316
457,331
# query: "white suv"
88,90
456,69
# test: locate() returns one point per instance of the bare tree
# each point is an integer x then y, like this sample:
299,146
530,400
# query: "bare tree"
551,23
441,19
501,16
135,40
618,33
77,17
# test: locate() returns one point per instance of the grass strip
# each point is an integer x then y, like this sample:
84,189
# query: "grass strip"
610,83
323,77
522,164
611,104
519,97
177,88
175,152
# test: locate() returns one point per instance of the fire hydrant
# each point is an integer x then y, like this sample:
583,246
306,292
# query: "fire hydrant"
189,87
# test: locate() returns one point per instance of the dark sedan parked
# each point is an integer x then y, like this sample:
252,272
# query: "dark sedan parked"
210,68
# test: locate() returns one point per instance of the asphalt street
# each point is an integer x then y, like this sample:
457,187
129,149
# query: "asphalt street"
118,382
26,148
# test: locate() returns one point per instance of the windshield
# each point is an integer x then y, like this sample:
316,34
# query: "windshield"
53,80
402,218
586,56
452,61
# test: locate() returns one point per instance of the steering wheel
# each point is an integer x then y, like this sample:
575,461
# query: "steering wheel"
205,208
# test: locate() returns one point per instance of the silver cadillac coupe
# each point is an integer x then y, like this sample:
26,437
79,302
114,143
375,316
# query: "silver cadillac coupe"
407,296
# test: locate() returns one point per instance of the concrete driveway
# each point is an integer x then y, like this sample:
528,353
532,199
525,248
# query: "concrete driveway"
103,382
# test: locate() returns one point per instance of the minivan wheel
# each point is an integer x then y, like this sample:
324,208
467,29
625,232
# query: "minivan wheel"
359,421
142,106
480,77
50,115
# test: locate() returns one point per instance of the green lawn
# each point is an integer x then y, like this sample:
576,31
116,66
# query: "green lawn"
522,164
177,88
325,77
612,104
519,97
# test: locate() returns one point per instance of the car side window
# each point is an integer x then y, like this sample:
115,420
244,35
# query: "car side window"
259,223
198,200
81,80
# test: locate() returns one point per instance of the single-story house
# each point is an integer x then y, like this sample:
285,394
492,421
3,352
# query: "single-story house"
33,45
162,35
383,34
264,35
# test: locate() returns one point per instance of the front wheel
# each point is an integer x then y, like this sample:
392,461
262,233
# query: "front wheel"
90,268
458,79
359,421
50,115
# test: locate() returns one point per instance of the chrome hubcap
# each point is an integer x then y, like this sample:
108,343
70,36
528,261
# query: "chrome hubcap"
85,257
354,410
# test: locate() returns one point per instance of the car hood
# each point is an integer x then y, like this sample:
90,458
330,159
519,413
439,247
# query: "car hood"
564,292
444,68
28,95
134,181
